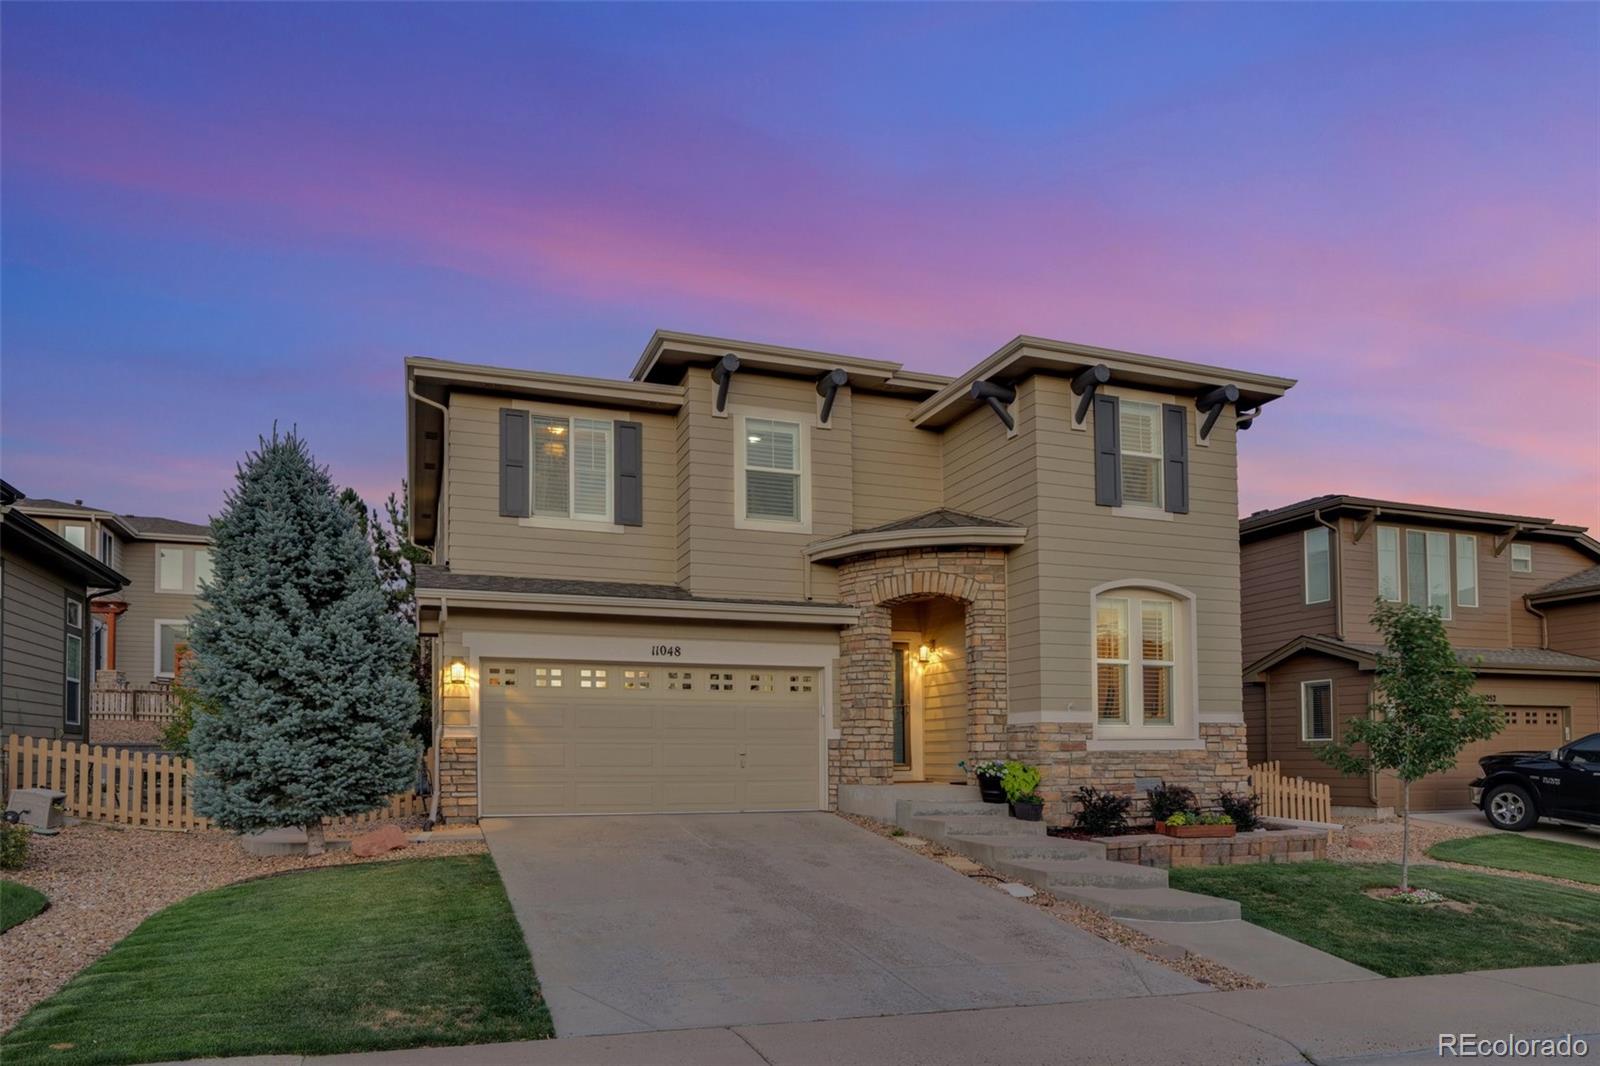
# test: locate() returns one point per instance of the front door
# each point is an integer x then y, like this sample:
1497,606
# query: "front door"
905,712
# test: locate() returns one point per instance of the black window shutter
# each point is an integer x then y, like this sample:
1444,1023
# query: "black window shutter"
1175,468
513,463
1107,452
629,504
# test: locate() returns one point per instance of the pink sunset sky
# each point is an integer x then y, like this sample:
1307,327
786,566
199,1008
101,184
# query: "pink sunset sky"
219,216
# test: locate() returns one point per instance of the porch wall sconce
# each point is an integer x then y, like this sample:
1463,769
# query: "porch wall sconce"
722,374
998,397
1211,404
1084,386
828,387
925,653
456,672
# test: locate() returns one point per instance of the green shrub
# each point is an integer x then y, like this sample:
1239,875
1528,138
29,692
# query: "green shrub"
1020,780
13,845
1167,800
1101,813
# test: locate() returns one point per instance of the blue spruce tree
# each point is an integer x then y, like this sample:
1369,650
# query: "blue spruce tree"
297,655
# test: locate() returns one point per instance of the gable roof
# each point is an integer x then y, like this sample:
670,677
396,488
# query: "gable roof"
27,537
1482,660
940,518
131,527
1302,512
669,352
938,528
150,528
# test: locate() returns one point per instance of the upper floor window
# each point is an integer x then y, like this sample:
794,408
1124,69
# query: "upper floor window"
1428,570
1318,565
107,546
1139,669
1466,570
1389,564
1140,435
182,569
772,487
571,468
77,536
1522,558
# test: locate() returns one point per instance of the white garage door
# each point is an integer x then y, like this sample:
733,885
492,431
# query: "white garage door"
595,738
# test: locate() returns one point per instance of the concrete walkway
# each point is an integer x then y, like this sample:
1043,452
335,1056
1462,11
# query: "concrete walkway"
1366,1022
695,921
1472,818
1271,958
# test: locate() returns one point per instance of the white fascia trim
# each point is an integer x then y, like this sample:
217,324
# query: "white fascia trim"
859,543
644,606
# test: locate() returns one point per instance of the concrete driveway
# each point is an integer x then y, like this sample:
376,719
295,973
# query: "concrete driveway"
686,921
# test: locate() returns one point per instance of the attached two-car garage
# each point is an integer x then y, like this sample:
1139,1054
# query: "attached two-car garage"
576,737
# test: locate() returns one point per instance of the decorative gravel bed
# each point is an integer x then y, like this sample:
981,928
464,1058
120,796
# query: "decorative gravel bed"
102,881
1379,841
1090,920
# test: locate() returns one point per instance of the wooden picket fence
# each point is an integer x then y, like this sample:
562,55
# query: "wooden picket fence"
137,788
157,704
1290,797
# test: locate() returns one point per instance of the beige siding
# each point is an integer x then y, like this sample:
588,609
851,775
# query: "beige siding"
482,541
715,558
988,473
1551,562
1487,625
944,692
136,627
899,469
1082,546
1575,627
1283,743
1272,581
33,647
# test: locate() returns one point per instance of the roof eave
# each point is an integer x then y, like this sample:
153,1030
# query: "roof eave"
853,544
641,606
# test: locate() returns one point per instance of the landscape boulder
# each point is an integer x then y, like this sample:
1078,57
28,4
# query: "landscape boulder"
384,838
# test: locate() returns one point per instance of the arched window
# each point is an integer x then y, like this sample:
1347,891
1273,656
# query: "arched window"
1144,662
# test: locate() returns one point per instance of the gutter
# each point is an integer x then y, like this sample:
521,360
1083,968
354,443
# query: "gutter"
644,606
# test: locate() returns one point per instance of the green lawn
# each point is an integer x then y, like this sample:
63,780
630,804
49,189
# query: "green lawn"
18,903
1504,851
1511,922
353,958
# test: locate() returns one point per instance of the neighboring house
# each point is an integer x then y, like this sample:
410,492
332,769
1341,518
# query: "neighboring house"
47,588
1520,598
139,636
750,575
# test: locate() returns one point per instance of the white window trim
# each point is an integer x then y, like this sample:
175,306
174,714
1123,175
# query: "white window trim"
156,655
72,712
1305,688
802,465
1185,724
1305,564
185,571
1459,540
108,547
81,528
1399,564
572,520
1449,571
1515,548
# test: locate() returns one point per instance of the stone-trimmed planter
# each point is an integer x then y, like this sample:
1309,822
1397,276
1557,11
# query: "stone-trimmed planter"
1196,831
1153,849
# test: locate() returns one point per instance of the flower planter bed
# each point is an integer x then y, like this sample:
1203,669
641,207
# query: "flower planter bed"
1192,831
1262,845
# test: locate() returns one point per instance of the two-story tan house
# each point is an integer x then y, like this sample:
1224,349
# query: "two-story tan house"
749,575
139,635
1520,599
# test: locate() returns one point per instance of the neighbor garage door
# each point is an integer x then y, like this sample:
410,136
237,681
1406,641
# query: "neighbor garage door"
593,738
1527,729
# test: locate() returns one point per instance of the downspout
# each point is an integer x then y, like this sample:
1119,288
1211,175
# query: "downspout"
1544,622
1266,701
444,445
1336,579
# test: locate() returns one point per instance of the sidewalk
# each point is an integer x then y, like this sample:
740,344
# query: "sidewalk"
1473,819
1367,1022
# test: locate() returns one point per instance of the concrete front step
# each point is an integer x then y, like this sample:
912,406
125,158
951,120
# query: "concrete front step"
1152,904
913,808
938,827
994,849
1053,875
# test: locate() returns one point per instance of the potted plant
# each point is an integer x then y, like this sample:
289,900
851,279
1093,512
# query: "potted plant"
1190,824
988,772
1020,781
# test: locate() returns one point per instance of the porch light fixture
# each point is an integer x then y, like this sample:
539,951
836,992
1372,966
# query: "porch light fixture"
925,653
457,671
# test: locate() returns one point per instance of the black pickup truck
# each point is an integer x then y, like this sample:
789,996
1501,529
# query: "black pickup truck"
1520,787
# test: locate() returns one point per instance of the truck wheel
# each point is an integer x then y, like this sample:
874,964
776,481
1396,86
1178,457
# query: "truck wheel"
1510,807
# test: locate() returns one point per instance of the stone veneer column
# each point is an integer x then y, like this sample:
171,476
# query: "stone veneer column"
866,697
458,779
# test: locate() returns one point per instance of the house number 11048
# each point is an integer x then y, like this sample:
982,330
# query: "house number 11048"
667,651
